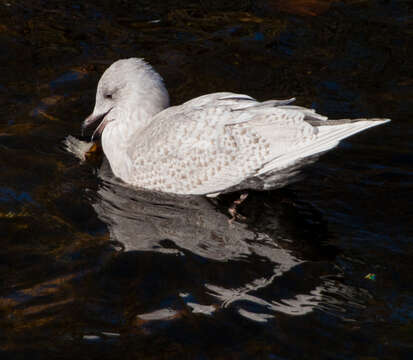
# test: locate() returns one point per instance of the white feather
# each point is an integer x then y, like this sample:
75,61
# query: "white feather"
211,144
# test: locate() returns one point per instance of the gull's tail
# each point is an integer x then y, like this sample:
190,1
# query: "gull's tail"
330,133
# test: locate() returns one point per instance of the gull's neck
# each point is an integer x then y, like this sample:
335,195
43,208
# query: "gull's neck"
130,118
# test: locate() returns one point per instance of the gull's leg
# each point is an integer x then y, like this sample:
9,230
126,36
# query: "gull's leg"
233,208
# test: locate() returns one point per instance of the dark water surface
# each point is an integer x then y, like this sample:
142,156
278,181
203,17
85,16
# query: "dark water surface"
91,269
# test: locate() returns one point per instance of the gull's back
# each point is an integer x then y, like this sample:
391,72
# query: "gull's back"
224,142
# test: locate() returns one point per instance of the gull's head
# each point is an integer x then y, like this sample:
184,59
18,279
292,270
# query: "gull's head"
129,92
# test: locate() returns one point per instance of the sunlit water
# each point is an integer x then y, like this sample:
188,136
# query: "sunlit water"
91,268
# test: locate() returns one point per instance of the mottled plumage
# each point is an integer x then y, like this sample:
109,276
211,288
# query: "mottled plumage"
211,144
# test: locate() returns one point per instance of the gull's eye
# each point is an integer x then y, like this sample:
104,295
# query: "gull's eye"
109,93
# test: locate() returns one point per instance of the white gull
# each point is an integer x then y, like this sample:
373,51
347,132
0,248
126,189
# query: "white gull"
215,143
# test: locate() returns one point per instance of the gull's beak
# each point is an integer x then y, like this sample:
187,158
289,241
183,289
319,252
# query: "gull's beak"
101,119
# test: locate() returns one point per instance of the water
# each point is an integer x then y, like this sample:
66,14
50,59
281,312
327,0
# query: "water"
92,269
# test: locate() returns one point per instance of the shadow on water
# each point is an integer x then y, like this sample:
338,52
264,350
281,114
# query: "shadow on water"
175,267
91,268
211,264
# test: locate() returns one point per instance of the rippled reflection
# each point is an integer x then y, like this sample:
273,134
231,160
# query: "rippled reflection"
257,277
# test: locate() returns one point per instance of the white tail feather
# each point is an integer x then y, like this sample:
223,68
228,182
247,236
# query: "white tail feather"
327,138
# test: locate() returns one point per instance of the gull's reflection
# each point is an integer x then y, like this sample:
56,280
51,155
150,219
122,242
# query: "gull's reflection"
247,271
